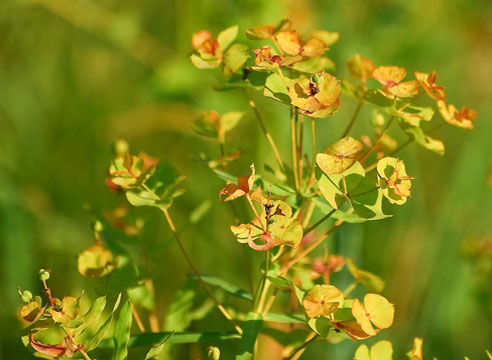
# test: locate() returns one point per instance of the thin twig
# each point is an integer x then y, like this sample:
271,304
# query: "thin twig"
376,142
293,148
352,121
221,308
300,136
265,131
295,353
322,220
313,163
140,324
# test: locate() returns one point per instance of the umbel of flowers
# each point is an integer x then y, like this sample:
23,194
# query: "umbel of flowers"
292,207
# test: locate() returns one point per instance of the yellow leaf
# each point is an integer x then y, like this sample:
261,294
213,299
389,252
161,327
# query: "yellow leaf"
322,300
382,350
376,311
362,353
95,261
360,314
389,75
405,89
340,156
379,310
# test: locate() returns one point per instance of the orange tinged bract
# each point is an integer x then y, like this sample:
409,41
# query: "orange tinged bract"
461,118
428,83
289,42
243,187
389,75
391,78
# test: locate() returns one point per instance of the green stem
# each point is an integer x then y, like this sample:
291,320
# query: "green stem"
349,288
265,131
293,147
300,136
322,220
295,353
259,297
354,117
313,164
376,142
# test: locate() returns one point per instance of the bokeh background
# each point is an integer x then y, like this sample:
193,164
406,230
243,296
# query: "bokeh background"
77,74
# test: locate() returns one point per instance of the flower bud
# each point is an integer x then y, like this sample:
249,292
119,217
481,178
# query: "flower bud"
213,353
26,296
121,147
44,275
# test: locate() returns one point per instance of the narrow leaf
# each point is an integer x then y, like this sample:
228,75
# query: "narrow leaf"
227,287
251,329
157,349
121,334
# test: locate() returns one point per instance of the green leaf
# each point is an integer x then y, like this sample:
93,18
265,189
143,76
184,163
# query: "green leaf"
227,287
413,115
201,63
157,349
121,334
248,79
424,140
147,339
102,331
279,281
313,65
363,193
251,329
320,325
339,214
299,294
285,318
234,58
162,185
276,89
92,316
226,37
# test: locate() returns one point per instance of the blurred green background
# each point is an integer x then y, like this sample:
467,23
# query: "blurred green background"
76,74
